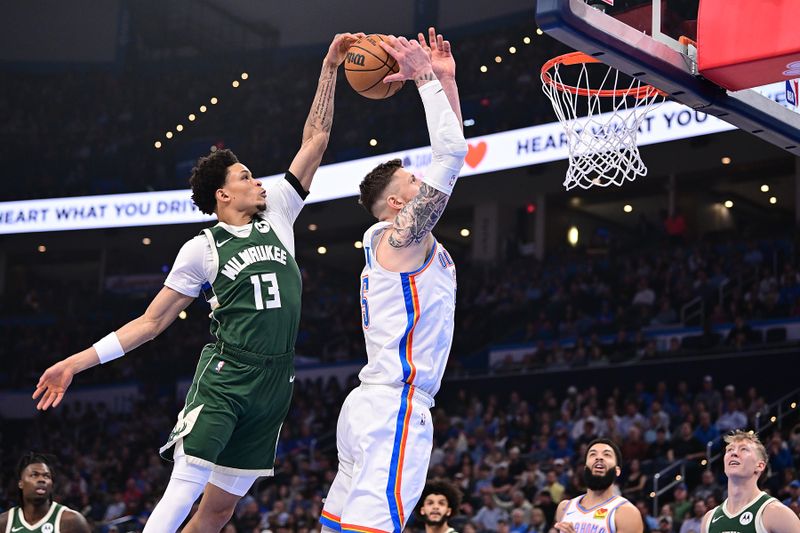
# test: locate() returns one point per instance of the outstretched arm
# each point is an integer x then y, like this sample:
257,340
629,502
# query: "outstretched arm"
409,236
317,129
161,312
444,67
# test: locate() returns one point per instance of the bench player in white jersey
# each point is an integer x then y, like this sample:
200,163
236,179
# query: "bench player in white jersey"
408,288
600,510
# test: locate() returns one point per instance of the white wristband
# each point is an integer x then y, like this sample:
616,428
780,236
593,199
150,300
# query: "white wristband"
109,348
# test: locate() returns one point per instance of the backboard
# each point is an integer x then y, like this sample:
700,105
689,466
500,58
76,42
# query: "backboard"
655,42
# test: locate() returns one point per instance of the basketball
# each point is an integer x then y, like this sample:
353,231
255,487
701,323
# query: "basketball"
365,66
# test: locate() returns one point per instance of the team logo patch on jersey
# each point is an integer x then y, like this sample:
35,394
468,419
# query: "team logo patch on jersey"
47,528
746,518
601,513
262,226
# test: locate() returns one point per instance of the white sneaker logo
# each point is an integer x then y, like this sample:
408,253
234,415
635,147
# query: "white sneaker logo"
715,519
219,244
291,379
17,528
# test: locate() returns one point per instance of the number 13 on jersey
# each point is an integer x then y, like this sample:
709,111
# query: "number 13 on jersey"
274,299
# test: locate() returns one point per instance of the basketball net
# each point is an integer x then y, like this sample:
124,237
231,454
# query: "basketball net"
602,144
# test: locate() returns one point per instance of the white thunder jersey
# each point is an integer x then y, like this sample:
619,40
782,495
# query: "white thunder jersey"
407,318
597,519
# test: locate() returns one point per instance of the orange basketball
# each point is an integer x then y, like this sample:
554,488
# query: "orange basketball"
365,66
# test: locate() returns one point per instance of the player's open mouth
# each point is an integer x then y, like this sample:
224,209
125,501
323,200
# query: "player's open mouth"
733,463
41,490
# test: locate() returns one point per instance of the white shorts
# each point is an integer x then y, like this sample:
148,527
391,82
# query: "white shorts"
384,438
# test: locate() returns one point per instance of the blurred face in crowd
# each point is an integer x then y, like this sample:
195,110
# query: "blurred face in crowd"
36,483
601,468
699,508
435,510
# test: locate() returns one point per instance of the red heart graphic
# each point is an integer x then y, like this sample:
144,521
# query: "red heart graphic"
475,154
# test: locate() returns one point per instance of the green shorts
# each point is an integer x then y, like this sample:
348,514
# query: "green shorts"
234,411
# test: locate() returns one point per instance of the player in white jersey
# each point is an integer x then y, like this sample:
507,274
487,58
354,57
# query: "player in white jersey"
600,510
408,287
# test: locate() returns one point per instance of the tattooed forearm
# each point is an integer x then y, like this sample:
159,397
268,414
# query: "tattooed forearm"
413,223
320,119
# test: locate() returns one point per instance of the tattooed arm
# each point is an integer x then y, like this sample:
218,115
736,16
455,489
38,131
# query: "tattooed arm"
406,244
317,129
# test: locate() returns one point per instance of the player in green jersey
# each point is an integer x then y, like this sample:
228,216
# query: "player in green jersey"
226,434
748,509
37,511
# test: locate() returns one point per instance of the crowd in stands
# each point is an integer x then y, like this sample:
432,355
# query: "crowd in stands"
573,310
514,456
67,141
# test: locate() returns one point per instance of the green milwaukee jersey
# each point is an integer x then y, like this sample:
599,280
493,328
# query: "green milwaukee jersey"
258,288
48,524
747,521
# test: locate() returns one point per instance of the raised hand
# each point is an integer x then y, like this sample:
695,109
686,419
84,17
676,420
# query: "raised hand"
337,51
442,60
412,59
53,385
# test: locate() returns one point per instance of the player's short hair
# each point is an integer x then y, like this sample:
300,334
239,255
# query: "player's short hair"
374,184
739,435
609,442
31,458
208,175
446,489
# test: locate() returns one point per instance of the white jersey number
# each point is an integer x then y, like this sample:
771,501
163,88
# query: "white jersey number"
274,299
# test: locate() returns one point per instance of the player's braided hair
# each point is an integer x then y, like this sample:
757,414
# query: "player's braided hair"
34,458
375,183
208,176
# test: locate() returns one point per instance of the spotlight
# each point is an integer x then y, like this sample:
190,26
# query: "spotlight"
373,142
358,244
203,109
192,117
312,227
773,200
765,188
157,144
464,232
728,204
42,248
498,59
245,75
726,160
146,241
484,68
235,83
512,50
214,100
539,31
627,208
169,135
322,250
179,127
526,40
573,236
182,315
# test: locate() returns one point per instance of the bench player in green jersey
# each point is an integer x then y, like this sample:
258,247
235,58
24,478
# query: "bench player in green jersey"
226,434
37,511
748,509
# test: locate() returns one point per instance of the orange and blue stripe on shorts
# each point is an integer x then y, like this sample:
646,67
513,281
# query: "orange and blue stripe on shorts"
393,487
330,521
